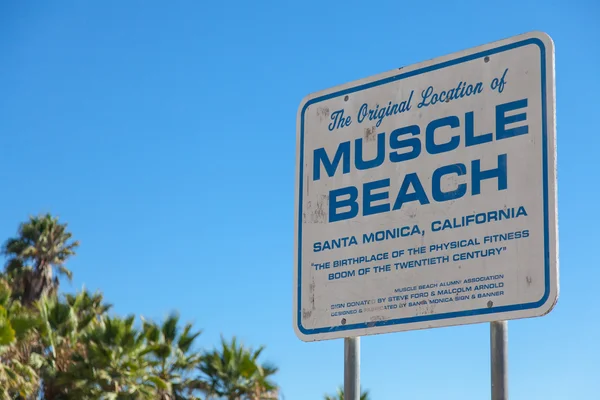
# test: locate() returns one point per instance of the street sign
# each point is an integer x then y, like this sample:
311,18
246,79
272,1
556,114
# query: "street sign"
426,196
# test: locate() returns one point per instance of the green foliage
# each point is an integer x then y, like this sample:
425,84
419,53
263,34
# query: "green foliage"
234,372
68,347
113,364
7,333
18,379
63,326
42,245
172,358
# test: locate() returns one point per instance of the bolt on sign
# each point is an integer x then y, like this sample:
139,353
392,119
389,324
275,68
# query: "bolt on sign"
426,196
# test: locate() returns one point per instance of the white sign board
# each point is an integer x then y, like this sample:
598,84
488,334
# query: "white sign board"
426,196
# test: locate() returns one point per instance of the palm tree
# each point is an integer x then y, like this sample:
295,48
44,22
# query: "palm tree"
234,372
18,378
112,365
42,244
172,358
89,308
364,395
63,324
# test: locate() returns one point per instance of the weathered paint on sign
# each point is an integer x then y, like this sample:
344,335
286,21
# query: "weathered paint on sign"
426,196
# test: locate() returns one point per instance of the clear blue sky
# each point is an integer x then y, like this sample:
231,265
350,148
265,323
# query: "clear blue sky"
164,133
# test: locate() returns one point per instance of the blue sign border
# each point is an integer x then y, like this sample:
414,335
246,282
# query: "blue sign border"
450,315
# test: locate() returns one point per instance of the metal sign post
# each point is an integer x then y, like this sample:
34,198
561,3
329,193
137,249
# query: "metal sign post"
352,368
499,359
426,197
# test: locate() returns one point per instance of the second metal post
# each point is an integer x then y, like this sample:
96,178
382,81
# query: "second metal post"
499,359
352,368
